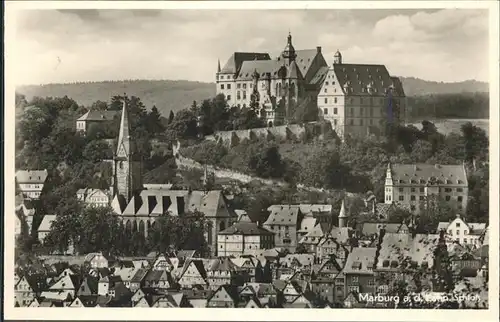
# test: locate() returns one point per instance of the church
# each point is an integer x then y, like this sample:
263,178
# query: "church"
139,207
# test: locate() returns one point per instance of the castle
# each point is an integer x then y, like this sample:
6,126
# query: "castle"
356,99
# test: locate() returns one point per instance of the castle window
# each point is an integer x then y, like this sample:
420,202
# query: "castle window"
381,101
400,189
238,85
459,190
244,95
335,100
326,83
352,111
325,111
401,198
422,190
121,164
352,100
326,100
238,95
412,207
460,198
421,198
335,110
229,97
245,86
413,198
447,198
326,90
412,189
228,86
221,86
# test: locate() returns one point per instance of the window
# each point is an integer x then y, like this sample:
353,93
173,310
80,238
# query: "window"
460,198
238,85
326,83
449,232
335,110
221,86
326,90
421,198
412,207
228,86
401,189
458,232
457,224
251,85
325,111
245,86
229,97
422,189
401,198
447,189
371,282
413,198
460,190
465,232
238,97
335,122
465,240
447,198
335,100
244,95
326,100
354,279
412,189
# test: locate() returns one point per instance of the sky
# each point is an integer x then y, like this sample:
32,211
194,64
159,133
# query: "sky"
60,46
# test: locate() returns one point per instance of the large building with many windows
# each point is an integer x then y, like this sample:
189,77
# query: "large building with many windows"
359,99
275,84
356,99
413,185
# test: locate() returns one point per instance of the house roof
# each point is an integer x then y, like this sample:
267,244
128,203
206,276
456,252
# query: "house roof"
46,223
307,224
371,228
31,176
474,228
246,228
284,215
396,246
90,256
320,76
223,264
412,174
360,261
139,275
157,275
99,115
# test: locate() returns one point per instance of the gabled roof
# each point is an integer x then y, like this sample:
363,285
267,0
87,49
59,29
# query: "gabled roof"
46,223
230,290
411,174
156,276
99,115
294,71
31,176
284,215
359,76
360,261
224,265
395,247
371,228
304,59
263,68
246,228
234,63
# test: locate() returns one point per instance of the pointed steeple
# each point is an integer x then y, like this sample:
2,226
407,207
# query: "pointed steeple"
342,215
123,147
218,65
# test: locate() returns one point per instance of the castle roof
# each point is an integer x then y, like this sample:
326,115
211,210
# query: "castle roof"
421,174
98,116
359,76
263,68
31,176
234,63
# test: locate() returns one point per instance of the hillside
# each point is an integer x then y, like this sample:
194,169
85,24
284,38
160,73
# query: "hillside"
178,94
415,86
165,94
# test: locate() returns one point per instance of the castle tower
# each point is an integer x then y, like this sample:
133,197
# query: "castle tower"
127,164
337,58
255,96
342,215
289,54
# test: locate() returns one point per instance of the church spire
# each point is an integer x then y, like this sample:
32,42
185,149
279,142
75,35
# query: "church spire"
218,65
123,148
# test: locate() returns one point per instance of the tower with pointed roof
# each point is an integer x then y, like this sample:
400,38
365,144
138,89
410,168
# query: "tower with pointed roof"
337,58
127,174
342,215
388,185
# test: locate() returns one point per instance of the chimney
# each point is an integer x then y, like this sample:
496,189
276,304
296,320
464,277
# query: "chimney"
318,49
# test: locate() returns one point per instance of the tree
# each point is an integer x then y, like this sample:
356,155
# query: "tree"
421,151
184,125
153,122
432,211
476,142
268,163
171,117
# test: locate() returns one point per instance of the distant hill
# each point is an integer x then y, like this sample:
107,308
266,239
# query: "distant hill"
165,94
415,87
178,94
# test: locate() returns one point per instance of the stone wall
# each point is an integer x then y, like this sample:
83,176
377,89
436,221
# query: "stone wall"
291,132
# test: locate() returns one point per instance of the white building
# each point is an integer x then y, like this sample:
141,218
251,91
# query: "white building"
94,197
463,232
100,118
243,238
411,185
31,182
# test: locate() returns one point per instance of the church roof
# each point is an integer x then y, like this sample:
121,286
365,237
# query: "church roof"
294,71
304,59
